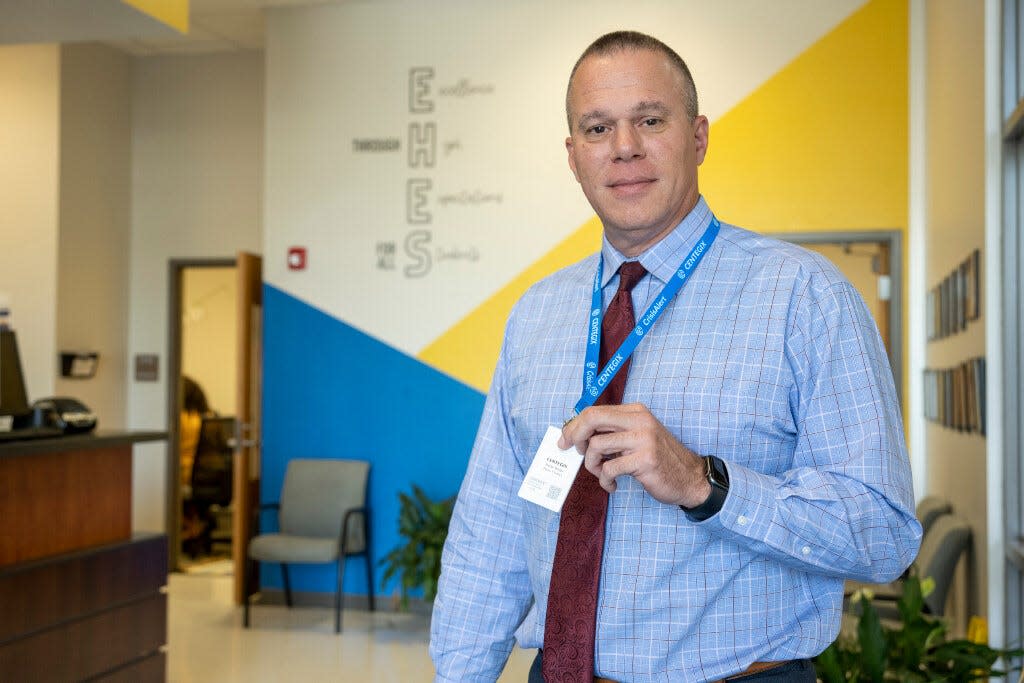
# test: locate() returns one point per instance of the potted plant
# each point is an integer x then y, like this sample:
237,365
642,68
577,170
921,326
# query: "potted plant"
914,649
424,524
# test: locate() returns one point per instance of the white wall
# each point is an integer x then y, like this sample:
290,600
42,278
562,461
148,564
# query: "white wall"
490,77
955,188
197,148
95,223
29,194
209,333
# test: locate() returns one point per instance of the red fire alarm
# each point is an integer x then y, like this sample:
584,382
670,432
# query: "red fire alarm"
296,258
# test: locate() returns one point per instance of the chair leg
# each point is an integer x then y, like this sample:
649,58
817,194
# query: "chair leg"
338,597
246,591
369,579
369,562
287,585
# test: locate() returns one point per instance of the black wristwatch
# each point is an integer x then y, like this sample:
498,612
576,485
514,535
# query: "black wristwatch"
718,476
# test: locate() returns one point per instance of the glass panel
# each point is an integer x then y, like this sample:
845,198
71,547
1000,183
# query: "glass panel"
1014,373
1014,347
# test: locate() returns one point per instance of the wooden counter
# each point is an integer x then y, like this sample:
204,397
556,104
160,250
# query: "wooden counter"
80,594
65,494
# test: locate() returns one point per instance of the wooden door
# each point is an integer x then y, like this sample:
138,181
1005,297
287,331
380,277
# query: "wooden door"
247,405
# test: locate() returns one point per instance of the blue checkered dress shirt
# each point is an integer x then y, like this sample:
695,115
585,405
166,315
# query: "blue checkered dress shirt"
769,359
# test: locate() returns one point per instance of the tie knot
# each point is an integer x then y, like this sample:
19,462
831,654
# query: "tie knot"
630,273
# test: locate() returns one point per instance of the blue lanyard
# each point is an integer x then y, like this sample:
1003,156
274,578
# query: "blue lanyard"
595,382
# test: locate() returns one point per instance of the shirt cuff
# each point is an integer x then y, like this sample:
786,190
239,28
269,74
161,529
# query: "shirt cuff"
749,505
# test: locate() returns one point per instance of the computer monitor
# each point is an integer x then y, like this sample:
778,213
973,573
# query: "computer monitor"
13,399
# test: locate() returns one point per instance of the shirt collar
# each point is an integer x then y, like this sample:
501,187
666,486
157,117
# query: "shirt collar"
663,258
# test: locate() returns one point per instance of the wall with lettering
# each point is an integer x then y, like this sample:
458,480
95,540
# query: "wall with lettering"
416,150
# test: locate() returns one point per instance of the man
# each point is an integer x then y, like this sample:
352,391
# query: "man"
757,459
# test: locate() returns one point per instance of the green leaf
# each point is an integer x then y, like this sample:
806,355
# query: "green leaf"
872,642
828,667
911,643
911,602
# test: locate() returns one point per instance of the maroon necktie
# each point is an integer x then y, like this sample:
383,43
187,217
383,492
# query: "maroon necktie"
572,597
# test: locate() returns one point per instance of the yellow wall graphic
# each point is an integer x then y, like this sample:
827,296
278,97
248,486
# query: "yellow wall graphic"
469,350
174,13
820,146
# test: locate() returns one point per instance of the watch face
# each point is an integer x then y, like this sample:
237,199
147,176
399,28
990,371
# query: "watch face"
718,475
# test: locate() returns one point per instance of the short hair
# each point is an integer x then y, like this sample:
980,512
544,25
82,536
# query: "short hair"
634,40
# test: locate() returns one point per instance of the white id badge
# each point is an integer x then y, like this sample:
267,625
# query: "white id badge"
551,473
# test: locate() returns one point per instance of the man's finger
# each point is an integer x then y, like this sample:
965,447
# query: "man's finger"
605,445
601,447
597,419
610,470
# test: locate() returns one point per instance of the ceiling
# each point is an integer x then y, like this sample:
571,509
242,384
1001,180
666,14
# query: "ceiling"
215,25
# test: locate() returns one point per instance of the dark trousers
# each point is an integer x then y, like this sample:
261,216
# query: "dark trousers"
797,671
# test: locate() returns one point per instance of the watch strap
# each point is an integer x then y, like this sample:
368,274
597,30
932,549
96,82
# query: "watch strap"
718,476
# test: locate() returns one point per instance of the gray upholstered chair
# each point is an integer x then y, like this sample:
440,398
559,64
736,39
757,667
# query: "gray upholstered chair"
948,539
323,517
929,509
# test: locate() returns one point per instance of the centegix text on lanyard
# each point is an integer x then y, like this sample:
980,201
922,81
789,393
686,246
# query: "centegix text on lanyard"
594,382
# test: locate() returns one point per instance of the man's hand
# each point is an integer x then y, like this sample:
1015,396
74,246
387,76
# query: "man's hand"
627,439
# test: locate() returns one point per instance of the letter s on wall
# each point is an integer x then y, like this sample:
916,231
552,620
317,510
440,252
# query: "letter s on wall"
416,248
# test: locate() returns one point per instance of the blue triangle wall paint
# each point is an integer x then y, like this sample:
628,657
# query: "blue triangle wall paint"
332,391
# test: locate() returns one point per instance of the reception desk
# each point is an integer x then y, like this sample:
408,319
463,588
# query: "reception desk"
80,594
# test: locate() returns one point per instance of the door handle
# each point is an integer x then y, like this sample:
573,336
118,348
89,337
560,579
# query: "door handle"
239,440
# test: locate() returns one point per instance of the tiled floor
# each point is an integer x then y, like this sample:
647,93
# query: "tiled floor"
206,641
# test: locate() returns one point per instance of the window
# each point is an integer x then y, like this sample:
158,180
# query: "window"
1013,321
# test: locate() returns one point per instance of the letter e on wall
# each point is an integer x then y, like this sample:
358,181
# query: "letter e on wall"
419,90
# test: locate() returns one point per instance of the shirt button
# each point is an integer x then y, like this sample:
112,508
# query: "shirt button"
741,520
805,550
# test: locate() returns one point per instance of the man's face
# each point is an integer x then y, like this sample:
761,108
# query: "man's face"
632,146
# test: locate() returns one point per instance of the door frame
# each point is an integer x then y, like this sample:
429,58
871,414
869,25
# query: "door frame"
175,273
894,238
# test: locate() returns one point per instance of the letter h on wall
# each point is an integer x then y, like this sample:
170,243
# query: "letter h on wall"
422,145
